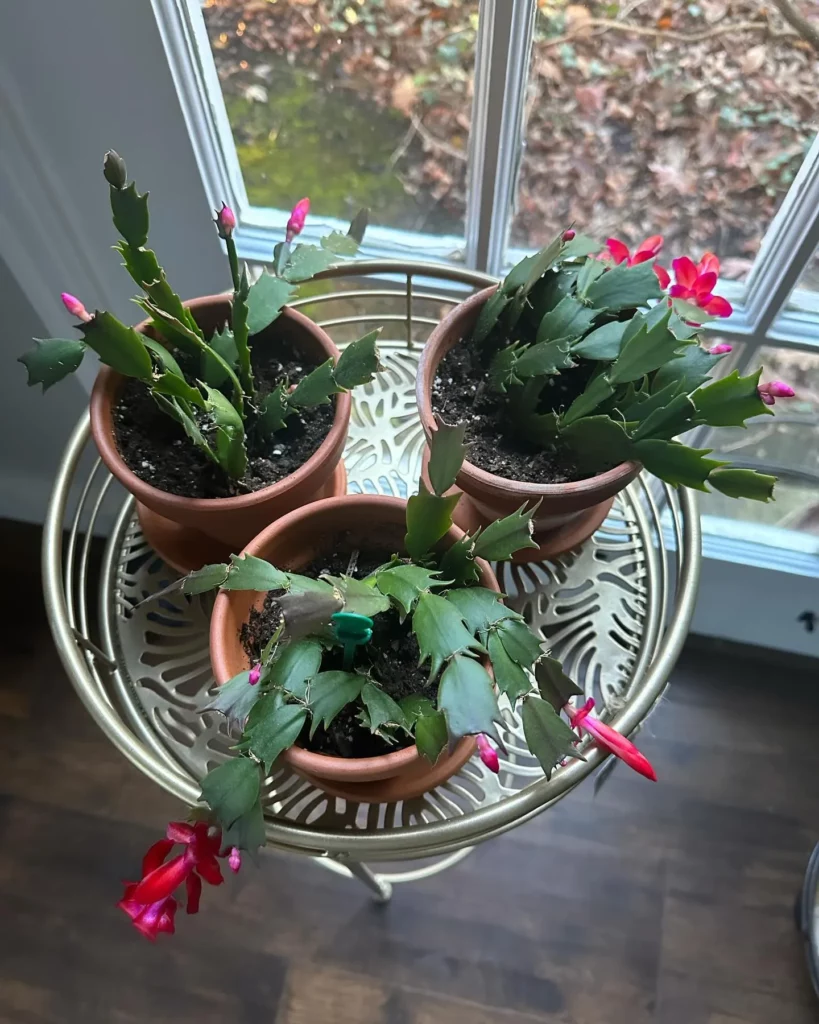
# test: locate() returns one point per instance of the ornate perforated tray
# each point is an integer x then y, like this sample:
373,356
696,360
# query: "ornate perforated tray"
615,610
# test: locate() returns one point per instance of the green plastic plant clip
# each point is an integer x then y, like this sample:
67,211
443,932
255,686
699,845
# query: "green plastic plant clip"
352,630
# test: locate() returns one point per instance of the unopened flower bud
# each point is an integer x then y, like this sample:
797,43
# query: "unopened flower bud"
774,389
235,859
113,167
225,221
488,754
721,350
295,224
255,675
75,307
568,235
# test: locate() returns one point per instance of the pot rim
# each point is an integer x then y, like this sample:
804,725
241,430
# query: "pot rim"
329,765
108,382
428,366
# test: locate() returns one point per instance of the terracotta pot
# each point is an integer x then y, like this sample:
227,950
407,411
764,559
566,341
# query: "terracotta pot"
188,532
355,520
568,513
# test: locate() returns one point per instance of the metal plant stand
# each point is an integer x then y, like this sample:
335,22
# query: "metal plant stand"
616,611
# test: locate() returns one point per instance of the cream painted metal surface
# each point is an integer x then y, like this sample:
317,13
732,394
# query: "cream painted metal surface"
615,611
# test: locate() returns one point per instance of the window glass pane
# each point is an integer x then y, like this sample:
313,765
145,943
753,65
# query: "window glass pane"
805,296
786,445
665,119
356,103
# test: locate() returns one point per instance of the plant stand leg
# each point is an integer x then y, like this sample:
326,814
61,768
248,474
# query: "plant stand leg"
378,886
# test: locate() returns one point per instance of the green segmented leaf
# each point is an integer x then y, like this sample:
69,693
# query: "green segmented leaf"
162,355
676,463
428,519
510,678
501,539
625,287
554,685
743,483
729,402
502,368
265,299
274,411
597,391
314,389
207,578
569,319
580,246
247,572
596,436
177,387
51,360
651,347
232,789
467,699
458,562
118,346
306,261
247,832
235,699
360,596
488,316
359,224
668,421
297,663
340,244
381,708
329,693
549,357
223,344
405,584
276,727
687,371
589,273
440,631
446,455
603,343
431,735
359,362
480,608
520,642
547,736
130,213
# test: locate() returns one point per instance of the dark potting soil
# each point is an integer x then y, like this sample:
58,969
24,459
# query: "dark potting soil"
157,450
460,394
391,658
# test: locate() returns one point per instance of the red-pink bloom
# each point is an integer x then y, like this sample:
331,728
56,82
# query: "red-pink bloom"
255,674
696,283
151,918
235,859
149,902
568,235
611,739
774,389
225,221
487,753
647,250
721,350
295,224
75,307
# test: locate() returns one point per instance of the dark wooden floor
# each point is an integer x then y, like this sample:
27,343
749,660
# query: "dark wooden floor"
663,903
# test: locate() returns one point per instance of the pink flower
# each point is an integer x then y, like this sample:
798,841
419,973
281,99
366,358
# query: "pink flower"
487,753
235,859
619,252
295,224
255,674
568,235
75,307
720,350
225,221
150,902
774,389
695,283
609,738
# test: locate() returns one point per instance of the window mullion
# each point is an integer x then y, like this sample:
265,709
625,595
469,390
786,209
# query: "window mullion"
787,247
505,30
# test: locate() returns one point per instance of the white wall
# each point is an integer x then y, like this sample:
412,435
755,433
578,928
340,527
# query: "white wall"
77,78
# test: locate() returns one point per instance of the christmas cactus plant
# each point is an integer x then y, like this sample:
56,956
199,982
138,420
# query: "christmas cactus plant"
215,398
312,667
626,348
